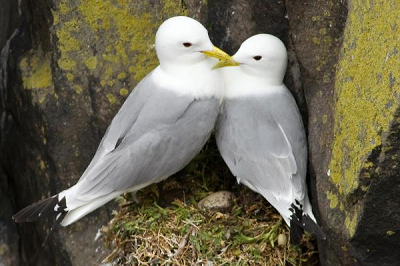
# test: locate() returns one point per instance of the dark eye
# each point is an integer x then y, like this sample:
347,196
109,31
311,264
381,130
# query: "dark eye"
257,57
187,44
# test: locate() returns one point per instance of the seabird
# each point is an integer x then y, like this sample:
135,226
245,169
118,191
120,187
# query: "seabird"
260,133
160,128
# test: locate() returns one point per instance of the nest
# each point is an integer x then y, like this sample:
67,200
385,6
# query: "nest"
174,231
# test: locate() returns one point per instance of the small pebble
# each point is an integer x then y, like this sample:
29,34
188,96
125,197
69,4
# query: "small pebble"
221,201
282,240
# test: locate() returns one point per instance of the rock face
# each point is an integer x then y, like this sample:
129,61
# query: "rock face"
71,64
362,175
352,93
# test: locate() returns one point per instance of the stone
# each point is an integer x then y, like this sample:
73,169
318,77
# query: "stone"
282,240
221,201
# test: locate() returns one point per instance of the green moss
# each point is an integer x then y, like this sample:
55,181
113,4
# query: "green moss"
366,91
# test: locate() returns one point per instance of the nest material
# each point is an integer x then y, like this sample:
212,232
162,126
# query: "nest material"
167,228
181,234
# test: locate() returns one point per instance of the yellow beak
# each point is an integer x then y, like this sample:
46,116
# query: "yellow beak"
225,59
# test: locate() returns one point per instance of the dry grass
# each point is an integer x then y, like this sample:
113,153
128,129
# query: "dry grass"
178,233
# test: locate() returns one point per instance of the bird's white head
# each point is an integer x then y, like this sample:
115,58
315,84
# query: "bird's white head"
184,41
263,56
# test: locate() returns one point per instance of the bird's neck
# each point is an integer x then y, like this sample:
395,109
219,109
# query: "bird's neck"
240,84
274,77
197,79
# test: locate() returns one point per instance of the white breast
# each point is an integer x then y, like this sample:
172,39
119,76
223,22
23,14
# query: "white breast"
239,84
198,80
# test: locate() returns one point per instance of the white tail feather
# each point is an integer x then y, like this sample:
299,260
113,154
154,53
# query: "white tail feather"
74,215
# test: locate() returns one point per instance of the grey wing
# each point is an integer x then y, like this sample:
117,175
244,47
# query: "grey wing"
261,148
167,133
123,120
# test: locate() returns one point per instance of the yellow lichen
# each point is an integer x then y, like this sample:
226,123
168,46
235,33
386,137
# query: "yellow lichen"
316,18
363,90
36,74
108,42
133,31
121,75
78,89
366,93
91,62
351,222
111,98
316,40
36,71
390,232
66,63
56,17
333,199
42,165
4,249
70,77
324,119
64,8
123,92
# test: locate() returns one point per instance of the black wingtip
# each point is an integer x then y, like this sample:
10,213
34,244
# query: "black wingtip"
56,224
36,211
302,220
42,209
296,233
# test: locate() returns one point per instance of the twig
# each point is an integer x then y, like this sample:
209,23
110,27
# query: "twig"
182,245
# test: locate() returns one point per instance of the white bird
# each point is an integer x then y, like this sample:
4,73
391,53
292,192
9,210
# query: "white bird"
160,128
260,133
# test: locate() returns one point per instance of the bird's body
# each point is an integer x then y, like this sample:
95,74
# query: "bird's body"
260,133
262,139
160,128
